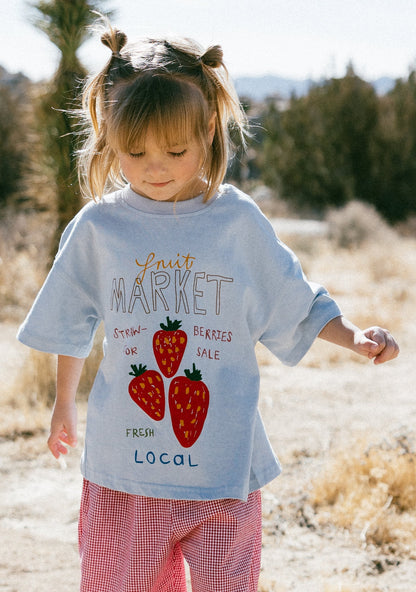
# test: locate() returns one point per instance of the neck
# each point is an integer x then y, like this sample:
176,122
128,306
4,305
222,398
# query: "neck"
193,190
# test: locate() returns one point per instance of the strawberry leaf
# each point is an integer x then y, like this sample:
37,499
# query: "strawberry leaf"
170,325
194,375
137,371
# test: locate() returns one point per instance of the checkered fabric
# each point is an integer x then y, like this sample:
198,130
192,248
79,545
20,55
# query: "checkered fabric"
130,543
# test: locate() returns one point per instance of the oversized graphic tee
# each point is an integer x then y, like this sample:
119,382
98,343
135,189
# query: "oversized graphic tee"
185,291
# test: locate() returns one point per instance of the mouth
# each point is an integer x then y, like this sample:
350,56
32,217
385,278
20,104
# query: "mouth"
158,185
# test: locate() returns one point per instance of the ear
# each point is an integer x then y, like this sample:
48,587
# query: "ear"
211,128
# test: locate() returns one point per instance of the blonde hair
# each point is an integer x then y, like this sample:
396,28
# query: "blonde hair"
172,88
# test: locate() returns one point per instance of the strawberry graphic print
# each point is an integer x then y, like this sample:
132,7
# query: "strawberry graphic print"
188,394
147,391
169,346
188,404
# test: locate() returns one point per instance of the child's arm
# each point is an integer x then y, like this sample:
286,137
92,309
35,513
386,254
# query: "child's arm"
64,416
374,343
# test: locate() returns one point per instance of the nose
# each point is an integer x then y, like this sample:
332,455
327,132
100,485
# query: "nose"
155,165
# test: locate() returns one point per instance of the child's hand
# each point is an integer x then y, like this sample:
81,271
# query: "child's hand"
63,429
377,344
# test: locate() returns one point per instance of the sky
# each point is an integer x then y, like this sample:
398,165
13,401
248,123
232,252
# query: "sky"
290,38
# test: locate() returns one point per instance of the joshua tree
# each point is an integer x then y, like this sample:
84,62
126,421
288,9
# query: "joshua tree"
66,23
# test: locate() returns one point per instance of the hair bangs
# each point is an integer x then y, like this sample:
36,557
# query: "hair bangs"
174,110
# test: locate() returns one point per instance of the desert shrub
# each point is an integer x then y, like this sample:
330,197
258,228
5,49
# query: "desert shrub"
408,227
355,224
372,490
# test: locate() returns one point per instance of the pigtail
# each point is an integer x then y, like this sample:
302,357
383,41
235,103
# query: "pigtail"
96,160
230,117
115,40
95,93
213,57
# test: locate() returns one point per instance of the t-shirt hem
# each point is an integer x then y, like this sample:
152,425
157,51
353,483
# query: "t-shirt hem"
63,349
259,481
177,492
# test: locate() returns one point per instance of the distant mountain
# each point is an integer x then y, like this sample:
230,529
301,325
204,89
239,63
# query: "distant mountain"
11,80
383,85
258,88
16,84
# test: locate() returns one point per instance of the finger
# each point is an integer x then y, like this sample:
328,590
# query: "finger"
61,449
56,443
68,439
379,341
389,352
57,448
377,335
368,347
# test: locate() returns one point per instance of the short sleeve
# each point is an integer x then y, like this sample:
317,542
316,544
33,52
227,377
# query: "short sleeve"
295,326
64,316
62,320
288,310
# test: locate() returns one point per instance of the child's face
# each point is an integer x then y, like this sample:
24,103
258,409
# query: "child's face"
164,173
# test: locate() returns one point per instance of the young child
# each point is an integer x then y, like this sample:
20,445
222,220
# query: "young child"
187,275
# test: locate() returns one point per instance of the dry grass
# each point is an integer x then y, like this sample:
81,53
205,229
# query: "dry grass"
24,246
28,401
348,588
267,585
371,490
374,284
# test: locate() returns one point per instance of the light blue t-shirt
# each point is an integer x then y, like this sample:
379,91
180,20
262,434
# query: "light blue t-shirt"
185,291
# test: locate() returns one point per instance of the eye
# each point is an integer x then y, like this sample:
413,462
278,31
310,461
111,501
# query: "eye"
136,154
178,154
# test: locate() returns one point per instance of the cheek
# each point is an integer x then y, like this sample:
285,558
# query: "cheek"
129,169
193,167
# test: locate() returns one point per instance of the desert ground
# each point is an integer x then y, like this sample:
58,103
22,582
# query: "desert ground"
325,418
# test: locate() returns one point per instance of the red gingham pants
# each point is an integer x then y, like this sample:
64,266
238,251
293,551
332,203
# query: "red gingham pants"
130,543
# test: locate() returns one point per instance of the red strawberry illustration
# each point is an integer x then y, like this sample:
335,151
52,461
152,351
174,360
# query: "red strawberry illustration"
169,346
147,391
188,404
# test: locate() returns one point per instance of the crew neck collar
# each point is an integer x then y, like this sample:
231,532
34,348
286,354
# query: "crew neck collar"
151,206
